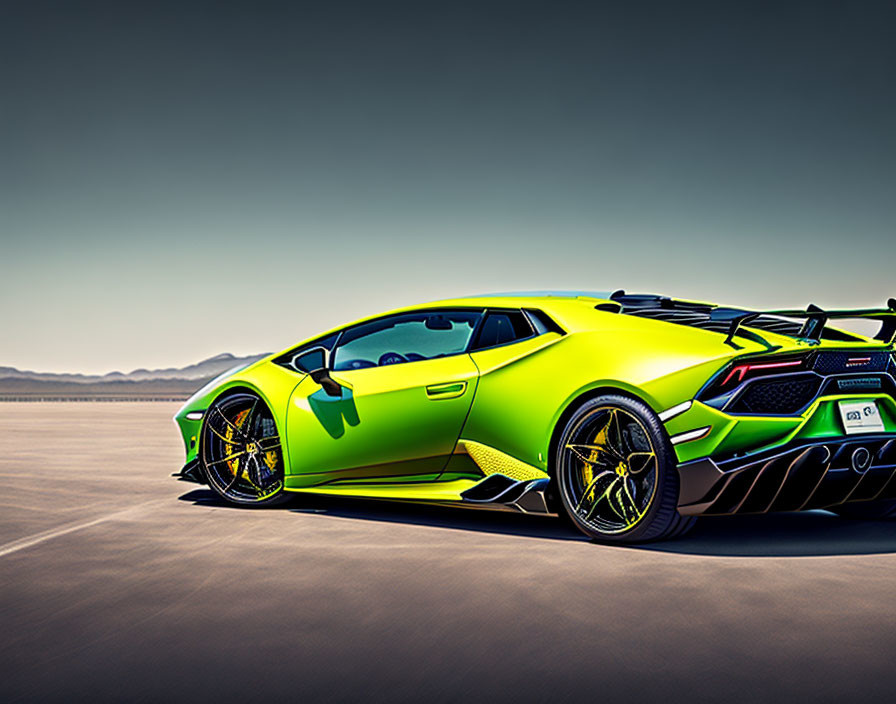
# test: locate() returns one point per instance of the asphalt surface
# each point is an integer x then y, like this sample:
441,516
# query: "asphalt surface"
118,583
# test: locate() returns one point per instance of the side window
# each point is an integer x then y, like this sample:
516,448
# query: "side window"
502,327
408,337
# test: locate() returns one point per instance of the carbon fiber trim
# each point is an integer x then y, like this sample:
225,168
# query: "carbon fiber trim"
524,496
794,478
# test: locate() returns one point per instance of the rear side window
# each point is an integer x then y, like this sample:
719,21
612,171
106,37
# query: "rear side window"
542,322
501,328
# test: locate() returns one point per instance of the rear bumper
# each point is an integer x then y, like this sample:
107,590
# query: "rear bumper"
800,475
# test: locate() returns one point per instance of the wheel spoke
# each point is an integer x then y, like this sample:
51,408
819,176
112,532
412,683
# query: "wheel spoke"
642,457
229,458
614,501
247,421
605,495
614,423
260,442
579,451
228,422
603,437
229,442
242,453
631,499
591,486
233,481
253,474
614,489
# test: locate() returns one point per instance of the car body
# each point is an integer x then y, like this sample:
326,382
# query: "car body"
466,400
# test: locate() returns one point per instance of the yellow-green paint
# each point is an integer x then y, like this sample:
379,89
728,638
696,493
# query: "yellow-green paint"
409,491
406,419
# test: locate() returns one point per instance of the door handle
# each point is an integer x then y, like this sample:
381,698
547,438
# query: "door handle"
451,389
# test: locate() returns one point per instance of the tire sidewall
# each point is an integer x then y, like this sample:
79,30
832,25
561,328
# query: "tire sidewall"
666,480
277,498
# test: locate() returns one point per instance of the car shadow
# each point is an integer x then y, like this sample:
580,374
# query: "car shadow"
806,534
433,515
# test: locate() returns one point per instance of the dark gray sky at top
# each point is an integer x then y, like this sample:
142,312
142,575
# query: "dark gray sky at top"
178,180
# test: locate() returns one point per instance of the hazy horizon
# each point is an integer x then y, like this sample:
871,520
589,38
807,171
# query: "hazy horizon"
181,180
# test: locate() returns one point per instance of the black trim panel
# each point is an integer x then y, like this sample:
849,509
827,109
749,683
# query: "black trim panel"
799,476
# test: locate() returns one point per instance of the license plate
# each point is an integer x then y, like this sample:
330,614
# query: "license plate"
860,417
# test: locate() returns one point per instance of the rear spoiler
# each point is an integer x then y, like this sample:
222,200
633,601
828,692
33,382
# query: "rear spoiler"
815,319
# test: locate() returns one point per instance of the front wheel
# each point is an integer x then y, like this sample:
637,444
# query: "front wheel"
616,473
240,450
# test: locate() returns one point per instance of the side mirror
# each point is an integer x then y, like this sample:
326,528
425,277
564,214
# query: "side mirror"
315,363
311,360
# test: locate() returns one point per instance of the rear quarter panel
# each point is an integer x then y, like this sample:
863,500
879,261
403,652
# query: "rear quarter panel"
525,388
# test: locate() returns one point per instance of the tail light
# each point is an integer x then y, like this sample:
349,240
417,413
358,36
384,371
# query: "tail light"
743,370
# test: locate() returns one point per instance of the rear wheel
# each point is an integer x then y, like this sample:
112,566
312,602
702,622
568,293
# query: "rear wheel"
240,450
616,473
866,510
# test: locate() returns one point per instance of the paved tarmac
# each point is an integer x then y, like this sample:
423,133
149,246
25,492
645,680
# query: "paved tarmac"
118,583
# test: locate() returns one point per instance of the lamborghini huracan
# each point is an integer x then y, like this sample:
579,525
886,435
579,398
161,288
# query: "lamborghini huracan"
629,414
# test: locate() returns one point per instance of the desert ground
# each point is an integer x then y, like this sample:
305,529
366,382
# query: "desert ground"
119,583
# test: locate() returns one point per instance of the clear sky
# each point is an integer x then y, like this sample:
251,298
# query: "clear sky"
179,180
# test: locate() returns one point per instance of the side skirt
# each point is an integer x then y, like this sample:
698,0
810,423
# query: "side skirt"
523,496
492,480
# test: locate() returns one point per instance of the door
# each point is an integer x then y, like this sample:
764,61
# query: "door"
407,384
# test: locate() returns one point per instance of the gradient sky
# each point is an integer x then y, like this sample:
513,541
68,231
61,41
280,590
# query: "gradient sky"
179,180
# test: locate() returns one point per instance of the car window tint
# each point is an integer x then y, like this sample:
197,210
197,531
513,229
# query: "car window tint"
408,337
502,327
542,322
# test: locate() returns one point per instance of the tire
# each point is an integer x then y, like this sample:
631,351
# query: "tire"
240,451
866,510
616,473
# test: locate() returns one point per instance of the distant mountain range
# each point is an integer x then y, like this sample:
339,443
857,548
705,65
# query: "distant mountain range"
149,384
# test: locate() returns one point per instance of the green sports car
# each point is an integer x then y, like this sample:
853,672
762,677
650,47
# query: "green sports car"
630,414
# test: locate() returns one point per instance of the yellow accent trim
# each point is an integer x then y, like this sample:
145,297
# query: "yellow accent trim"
492,461
420,491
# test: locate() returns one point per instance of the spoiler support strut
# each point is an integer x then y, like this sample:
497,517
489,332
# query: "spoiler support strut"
816,319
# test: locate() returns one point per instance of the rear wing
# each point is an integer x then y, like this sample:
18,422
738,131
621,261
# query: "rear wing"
814,318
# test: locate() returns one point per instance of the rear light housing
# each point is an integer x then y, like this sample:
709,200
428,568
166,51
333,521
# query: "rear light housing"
741,370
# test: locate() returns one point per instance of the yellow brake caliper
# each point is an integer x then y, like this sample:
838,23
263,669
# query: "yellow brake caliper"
600,440
270,457
234,464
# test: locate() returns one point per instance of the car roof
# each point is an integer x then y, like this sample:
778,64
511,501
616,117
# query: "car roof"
604,295
574,311
519,299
